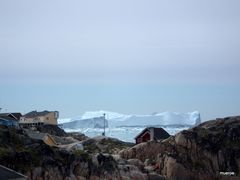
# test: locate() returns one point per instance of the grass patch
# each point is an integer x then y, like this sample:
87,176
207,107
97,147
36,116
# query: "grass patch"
4,152
92,148
82,155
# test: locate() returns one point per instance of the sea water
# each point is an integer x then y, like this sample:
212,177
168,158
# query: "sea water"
126,134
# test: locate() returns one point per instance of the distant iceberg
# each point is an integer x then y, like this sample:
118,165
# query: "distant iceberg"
114,119
95,122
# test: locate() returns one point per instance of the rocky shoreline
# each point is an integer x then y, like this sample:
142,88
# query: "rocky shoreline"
206,151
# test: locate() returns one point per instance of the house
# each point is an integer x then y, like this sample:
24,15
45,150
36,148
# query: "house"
16,115
6,173
7,121
35,118
150,134
10,119
45,137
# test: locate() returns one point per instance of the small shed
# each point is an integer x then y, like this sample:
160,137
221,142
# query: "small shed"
45,137
150,134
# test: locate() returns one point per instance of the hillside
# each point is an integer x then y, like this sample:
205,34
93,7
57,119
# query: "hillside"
207,151
37,160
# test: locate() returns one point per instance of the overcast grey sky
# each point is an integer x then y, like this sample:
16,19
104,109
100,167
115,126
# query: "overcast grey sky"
126,56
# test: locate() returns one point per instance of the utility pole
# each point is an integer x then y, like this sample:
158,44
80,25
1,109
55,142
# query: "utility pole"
104,115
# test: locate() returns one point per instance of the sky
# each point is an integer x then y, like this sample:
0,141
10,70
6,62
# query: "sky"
132,57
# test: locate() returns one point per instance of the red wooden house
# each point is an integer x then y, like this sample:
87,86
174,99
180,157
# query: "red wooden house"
150,134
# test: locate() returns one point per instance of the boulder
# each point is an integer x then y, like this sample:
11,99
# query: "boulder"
136,162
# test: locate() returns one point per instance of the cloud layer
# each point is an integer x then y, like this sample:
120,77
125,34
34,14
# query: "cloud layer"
105,41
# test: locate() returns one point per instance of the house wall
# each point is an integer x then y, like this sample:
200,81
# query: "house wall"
50,118
26,120
145,137
138,140
8,122
151,134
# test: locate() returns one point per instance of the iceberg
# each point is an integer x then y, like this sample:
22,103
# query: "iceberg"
114,119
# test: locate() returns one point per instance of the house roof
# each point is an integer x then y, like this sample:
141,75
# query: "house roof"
33,114
4,114
6,173
39,135
159,133
16,116
7,118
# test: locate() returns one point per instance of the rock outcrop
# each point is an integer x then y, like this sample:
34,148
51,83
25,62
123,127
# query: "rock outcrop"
105,144
51,129
204,152
39,161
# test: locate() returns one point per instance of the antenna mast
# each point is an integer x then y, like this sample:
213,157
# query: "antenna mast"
104,115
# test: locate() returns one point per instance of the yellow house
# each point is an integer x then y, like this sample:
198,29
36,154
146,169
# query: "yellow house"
35,118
